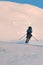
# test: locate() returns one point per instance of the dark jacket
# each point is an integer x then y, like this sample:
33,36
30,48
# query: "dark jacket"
29,31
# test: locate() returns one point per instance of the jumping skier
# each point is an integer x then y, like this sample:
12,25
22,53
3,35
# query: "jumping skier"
29,34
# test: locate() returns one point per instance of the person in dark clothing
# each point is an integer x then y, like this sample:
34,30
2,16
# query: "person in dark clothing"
29,34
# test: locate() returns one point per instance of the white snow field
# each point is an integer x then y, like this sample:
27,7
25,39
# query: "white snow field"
14,21
21,54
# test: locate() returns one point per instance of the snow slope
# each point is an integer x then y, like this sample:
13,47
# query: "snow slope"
15,19
20,54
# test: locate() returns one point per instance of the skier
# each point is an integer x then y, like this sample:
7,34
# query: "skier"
29,34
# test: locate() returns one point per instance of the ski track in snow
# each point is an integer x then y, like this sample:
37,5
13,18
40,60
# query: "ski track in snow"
20,54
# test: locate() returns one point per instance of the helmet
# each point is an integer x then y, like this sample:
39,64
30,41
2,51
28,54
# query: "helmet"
29,27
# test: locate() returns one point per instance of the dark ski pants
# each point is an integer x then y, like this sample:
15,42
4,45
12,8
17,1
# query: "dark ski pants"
28,38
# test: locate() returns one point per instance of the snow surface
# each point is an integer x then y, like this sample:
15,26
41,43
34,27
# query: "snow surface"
14,21
21,54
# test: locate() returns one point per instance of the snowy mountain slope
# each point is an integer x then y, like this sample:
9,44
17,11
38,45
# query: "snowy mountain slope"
20,54
15,19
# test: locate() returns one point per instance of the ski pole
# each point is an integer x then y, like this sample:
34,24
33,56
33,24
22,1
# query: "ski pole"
22,37
35,38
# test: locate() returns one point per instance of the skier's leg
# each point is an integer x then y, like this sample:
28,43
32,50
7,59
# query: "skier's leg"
26,40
